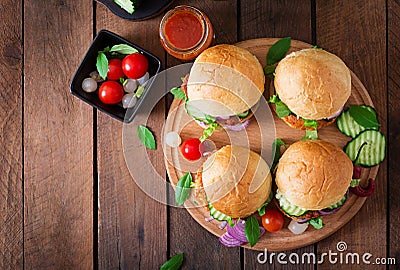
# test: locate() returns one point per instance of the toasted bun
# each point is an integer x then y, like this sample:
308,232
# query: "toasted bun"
236,180
298,123
313,83
225,80
313,174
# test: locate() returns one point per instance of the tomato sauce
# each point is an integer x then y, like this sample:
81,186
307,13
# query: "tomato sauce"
183,30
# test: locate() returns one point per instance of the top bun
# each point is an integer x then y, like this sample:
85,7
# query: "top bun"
313,83
225,80
236,180
313,174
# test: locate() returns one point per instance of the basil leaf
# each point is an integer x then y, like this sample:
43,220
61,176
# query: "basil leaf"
278,50
123,49
208,131
174,263
363,116
310,123
269,71
252,230
182,190
261,209
311,135
276,149
102,65
282,110
127,5
146,137
316,223
178,93
139,91
355,182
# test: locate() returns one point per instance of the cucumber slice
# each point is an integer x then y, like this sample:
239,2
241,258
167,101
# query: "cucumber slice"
348,126
367,149
289,208
217,214
339,203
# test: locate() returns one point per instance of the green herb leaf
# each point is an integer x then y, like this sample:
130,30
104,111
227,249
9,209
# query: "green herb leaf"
278,50
123,49
182,190
178,93
139,91
316,47
261,209
310,123
208,131
252,230
274,99
127,5
230,222
106,49
276,149
363,116
192,185
102,65
355,182
311,135
269,71
316,223
146,137
281,109
174,263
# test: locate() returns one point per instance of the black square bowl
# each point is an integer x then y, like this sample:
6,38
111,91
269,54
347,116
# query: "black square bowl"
103,39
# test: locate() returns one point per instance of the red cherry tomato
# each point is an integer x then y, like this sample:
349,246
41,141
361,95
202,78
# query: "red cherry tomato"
115,71
135,65
191,149
272,220
111,92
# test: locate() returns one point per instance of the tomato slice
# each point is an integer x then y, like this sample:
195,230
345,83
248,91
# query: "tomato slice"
272,220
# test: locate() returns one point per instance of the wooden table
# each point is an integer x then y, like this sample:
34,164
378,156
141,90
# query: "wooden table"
67,200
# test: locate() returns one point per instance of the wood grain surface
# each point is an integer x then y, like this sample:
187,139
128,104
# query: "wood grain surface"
58,138
67,200
11,209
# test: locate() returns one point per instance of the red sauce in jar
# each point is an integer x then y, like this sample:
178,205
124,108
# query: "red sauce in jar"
183,30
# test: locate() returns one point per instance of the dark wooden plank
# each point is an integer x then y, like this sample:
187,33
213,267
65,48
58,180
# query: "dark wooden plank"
275,19
201,249
355,31
58,140
132,226
11,209
394,127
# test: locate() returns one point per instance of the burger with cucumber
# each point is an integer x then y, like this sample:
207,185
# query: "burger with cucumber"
224,87
311,88
312,178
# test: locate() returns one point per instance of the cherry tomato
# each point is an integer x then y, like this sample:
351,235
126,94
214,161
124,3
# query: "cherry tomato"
111,92
115,71
191,149
135,65
272,220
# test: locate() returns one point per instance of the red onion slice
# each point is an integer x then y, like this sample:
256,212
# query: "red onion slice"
364,192
336,114
357,172
326,211
302,221
238,127
223,225
229,241
237,231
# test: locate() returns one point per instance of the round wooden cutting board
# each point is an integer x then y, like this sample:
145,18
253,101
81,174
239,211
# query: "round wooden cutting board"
179,121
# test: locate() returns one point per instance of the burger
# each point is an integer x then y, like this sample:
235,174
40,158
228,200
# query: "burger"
234,181
224,86
312,180
312,86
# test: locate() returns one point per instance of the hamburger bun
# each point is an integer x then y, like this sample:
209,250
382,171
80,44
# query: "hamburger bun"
313,83
313,174
225,80
236,180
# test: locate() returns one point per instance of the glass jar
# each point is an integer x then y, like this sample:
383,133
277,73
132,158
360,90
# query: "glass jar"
185,32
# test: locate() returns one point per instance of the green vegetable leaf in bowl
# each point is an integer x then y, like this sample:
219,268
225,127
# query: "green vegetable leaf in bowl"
127,5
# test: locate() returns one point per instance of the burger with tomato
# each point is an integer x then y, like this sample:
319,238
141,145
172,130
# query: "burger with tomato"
312,178
224,86
311,86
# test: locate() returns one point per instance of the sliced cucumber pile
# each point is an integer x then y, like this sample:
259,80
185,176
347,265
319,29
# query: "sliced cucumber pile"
289,208
339,203
217,214
367,149
348,126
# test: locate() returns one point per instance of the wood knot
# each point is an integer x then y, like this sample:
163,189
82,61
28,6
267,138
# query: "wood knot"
12,54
